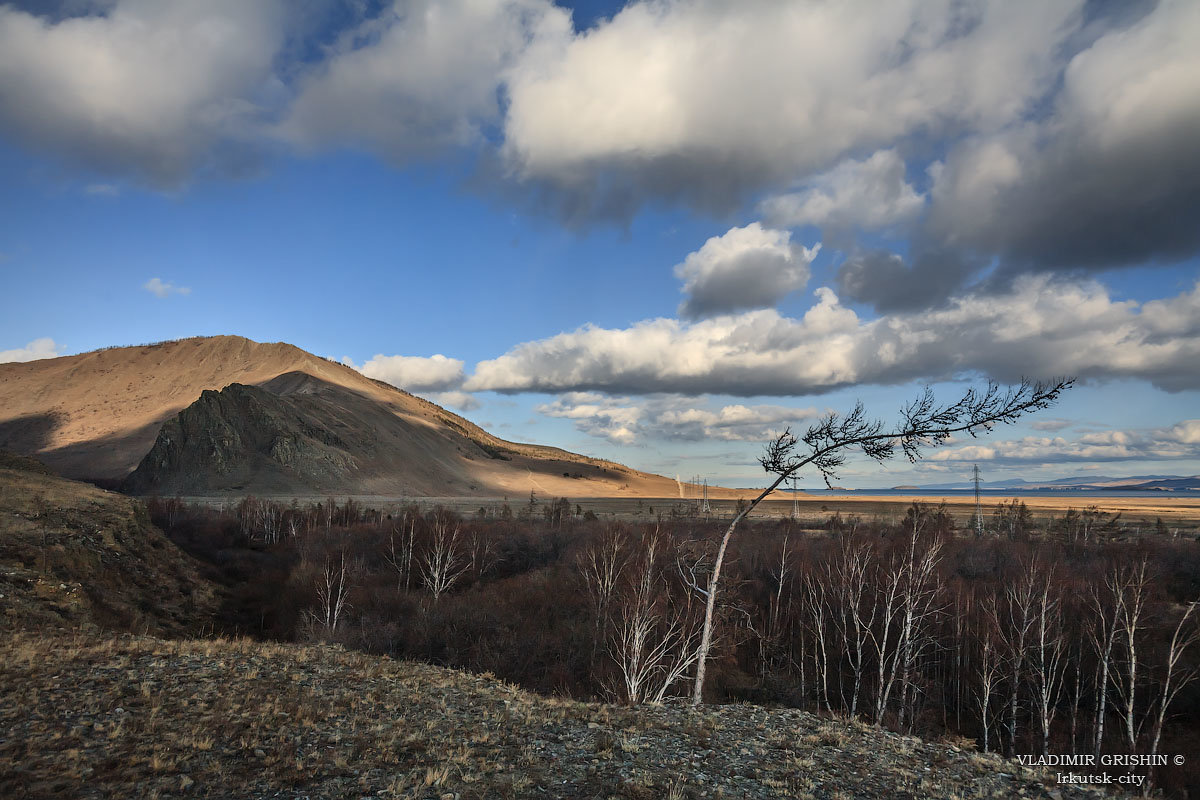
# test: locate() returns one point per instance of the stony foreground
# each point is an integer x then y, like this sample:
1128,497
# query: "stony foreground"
91,717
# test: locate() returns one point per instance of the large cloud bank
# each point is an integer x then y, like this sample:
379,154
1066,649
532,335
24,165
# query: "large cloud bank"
1064,131
1041,326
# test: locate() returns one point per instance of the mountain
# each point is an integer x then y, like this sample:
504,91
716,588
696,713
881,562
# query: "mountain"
1165,484
1088,482
226,414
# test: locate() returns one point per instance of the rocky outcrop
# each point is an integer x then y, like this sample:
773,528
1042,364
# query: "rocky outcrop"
244,436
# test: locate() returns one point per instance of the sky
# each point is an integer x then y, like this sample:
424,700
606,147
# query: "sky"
657,232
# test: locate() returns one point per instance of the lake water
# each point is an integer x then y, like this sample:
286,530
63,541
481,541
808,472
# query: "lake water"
1187,494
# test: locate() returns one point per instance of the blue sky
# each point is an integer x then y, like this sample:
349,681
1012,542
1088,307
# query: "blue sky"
653,233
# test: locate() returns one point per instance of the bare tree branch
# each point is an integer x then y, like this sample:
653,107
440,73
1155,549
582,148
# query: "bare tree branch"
923,424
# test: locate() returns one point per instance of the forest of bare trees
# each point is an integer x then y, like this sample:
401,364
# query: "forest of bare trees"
1074,634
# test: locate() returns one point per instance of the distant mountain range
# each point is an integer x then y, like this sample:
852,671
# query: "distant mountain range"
1149,483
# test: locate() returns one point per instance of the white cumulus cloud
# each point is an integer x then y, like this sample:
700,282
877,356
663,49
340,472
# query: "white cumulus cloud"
155,88
626,420
704,102
436,373
463,401
1177,442
871,195
1108,177
1038,327
750,267
422,76
160,288
35,350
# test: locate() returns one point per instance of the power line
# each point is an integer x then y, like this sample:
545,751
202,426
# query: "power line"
978,507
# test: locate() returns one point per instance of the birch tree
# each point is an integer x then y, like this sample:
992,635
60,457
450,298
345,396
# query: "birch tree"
1176,678
401,558
825,445
1130,587
1102,634
1016,631
442,564
854,621
655,641
332,595
990,665
1049,649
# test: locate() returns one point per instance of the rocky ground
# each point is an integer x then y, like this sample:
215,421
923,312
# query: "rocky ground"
86,716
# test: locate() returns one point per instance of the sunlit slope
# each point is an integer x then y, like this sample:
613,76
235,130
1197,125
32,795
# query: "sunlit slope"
97,415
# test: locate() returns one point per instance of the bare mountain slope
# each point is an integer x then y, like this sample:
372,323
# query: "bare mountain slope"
97,415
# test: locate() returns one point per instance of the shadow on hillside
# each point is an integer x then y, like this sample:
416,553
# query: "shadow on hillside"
250,575
29,434
103,461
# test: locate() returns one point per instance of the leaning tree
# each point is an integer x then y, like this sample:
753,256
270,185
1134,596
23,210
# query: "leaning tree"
923,423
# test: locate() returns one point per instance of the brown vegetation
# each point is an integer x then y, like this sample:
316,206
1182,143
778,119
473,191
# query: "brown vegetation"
87,717
1067,635
915,627
76,557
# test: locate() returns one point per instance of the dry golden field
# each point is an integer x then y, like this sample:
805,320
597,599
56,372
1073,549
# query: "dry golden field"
1179,514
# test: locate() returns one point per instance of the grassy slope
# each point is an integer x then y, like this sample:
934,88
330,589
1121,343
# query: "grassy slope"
76,557
140,717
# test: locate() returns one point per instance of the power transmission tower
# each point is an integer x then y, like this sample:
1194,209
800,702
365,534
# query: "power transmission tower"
978,507
705,508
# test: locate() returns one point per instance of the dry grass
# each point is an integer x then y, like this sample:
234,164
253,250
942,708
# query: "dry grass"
74,556
89,717
1181,512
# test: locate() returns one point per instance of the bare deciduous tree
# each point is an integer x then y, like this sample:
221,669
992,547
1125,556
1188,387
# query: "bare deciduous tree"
442,564
655,641
853,620
601,566
400,558
771,642
1174,680
1129,586
817,591
332,595
1016,631
923,423
887,652
990,664
260,518
483,554
1048,659
1102,635
918,602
